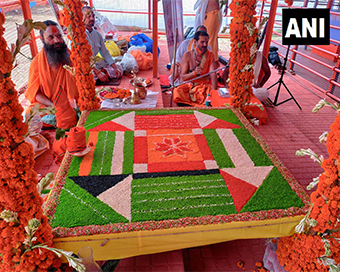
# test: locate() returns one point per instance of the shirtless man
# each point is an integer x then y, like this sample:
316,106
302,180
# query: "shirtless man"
209,13
196,62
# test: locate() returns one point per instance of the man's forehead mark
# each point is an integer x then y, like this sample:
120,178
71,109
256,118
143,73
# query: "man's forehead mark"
52,30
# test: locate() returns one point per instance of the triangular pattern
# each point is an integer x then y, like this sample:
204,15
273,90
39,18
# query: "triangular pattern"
96,185
221,124
109,126
253,175
240,190
126,120
204,119
118,197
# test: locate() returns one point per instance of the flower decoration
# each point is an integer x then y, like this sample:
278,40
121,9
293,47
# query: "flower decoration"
20,247
81,53
242,37
316,245
174,146
19,201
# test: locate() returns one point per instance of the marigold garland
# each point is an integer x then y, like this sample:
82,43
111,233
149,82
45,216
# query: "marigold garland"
302,252
243,12
18,192
81,53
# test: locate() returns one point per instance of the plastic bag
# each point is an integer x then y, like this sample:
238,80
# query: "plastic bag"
104,26
142,39
140,48
129,63
113,48
144,60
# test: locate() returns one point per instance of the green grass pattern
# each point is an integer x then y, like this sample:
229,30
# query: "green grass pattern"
72,211
177,197
274,193
103,153
163,112
254,150
97,118
165,198
226,115
217,149
128,152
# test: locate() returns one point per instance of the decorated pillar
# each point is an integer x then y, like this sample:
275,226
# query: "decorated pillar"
81,53
22,222
242,37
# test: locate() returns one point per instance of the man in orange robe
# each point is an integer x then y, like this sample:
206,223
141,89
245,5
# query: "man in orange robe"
196,62
49,84
186,45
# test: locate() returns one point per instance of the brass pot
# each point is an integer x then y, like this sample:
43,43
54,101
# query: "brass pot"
141,91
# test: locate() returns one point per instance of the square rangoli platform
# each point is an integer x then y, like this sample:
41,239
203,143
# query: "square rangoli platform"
161,180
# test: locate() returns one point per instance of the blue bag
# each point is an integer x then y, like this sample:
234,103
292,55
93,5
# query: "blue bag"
142,39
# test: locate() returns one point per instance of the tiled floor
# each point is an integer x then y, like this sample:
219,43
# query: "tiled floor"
287,130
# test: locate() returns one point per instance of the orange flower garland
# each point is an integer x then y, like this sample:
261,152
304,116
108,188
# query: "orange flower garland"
301,251
243,12
81,53
18,192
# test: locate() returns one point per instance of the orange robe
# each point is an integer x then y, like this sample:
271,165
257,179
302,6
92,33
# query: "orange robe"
212,23
54,84
194,94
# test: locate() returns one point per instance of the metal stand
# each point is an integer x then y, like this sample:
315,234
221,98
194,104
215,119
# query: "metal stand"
280,81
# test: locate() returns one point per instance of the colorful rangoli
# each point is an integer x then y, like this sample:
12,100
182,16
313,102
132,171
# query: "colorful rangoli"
187,167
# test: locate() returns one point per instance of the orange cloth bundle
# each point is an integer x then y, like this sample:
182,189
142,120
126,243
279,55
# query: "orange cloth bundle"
144,60
76,139
192,95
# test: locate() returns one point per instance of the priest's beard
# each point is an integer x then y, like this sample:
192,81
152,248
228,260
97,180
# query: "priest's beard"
57,54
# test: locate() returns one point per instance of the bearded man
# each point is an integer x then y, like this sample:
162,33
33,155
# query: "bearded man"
196,62
49,84
185,46
105,69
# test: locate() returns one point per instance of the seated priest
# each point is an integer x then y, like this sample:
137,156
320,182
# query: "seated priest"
195,63
185,46
105,69
49,84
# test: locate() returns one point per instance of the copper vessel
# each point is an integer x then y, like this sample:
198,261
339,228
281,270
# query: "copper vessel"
135,99
141,90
